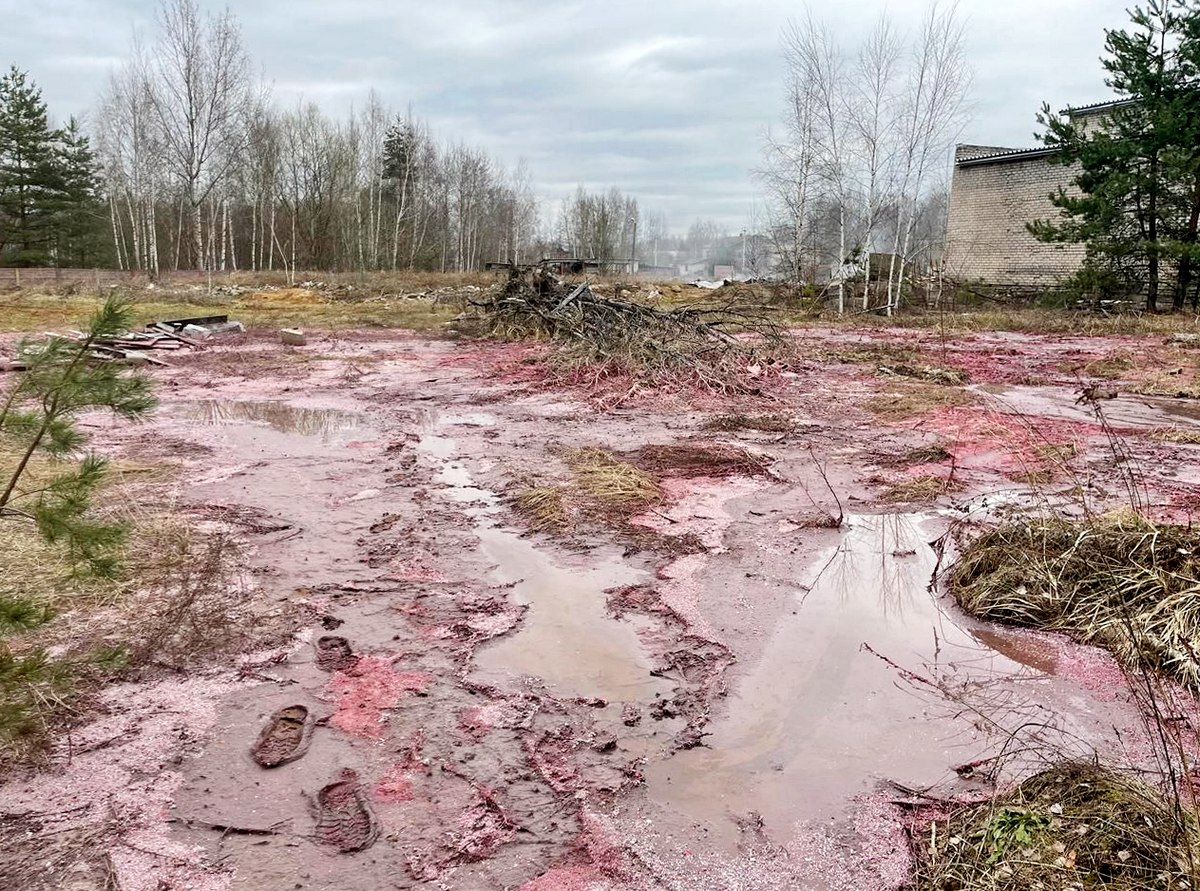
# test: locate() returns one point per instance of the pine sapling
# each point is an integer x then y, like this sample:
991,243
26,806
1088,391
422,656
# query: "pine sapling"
38,416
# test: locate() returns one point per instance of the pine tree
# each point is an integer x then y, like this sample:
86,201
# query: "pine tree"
37,417
30,173
1136,190
80,237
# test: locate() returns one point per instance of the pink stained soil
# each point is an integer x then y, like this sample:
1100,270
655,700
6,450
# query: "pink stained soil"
366,690
395,786
512,786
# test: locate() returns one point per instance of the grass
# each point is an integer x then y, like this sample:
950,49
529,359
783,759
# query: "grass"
307,309
689,461
909,399
612,483
1118,581
1177,435
763,423
1075,826
918,489
545,508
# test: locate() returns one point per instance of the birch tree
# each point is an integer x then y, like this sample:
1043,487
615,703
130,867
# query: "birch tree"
202,99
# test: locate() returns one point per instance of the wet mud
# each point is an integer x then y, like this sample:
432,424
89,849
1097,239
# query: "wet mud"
734,698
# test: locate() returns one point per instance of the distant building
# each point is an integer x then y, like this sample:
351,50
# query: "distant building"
995,192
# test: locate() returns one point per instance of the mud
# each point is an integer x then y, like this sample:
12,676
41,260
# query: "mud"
732,700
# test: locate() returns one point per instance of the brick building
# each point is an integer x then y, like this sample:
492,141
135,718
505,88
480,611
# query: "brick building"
994,193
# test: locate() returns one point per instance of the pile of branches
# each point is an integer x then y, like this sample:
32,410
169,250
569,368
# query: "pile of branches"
719,346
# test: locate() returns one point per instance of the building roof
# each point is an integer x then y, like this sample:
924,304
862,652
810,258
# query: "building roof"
1097,107
1030,154
1012,155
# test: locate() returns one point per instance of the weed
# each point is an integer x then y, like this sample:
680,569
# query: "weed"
918,489
689,461
1074,826
613,483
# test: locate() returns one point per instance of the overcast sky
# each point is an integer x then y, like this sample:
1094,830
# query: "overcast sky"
667,99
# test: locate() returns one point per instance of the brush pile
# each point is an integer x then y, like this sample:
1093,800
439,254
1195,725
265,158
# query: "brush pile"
719,346
1075,826
1118,581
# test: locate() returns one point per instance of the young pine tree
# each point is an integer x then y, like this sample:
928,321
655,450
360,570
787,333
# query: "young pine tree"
37,417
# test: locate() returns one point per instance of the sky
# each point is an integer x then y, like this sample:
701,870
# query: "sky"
666,99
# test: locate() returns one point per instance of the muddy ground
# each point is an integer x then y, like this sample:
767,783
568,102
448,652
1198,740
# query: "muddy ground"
724,691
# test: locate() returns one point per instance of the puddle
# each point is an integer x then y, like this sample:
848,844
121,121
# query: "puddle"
567,638
294,464
1127,410
325,423
819,719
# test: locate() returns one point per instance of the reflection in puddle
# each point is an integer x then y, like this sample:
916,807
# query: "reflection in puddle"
323,422
567,638
819,717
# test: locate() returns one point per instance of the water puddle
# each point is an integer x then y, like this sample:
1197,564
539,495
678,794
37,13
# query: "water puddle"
326,423
567,639
1127,410
821,718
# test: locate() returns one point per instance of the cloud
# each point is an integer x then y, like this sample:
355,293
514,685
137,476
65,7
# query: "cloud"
666,99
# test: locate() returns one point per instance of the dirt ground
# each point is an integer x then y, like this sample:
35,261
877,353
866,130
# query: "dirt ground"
725,690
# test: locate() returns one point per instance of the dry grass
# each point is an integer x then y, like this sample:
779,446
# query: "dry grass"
907,400
545,507
1110,367
612,483
950,377
1075,826
1118,581
690,461
919,489
1177,435
39,312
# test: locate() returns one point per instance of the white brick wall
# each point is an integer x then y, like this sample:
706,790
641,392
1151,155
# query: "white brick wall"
990,203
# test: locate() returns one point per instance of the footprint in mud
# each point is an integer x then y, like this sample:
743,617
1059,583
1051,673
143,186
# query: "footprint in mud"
334,653
285,738
345,820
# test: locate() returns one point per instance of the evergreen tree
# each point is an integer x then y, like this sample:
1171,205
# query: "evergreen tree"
80,237
30,173
1135,204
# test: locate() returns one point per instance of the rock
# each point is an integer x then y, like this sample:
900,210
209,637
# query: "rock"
293,337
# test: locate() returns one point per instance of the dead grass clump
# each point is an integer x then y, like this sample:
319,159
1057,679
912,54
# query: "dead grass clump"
1117,581
1177,435
764,423
1110,367
932,454
684,461
909,400
1075,826
918,489
544,507
602,476
950,377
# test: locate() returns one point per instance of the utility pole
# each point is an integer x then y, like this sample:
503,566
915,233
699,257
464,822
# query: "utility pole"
633,259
